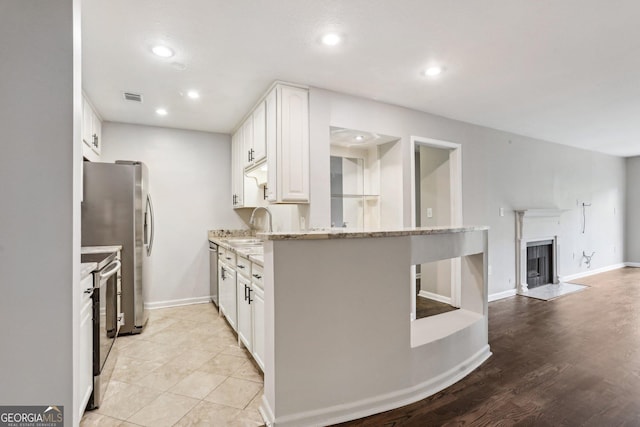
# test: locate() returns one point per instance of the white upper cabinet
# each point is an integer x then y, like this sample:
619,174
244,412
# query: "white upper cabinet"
287,113
237,170
259,148
247,142
91,132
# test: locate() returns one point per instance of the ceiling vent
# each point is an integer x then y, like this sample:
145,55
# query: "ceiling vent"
128,96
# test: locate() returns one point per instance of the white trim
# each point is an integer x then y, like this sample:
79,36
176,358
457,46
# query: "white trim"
176,302
632,264
435,297
455,179
501,295
374,405
592,272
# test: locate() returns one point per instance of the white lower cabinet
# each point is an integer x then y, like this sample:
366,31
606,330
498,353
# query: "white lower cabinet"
85,377
245,327
257,309
227,294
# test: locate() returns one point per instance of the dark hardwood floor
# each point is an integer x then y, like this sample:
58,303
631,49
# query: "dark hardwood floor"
572,361
426,307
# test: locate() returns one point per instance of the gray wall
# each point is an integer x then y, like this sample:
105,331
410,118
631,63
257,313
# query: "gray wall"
633,210
190,182
40,206
499,169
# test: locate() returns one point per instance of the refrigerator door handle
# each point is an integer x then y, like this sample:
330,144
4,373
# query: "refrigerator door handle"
150,212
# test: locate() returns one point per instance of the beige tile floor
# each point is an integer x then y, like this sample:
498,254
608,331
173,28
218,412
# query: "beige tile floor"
185,369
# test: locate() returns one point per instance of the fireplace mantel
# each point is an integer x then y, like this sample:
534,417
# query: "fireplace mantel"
535,225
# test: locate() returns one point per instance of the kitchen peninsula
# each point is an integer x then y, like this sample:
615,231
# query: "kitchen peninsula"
340,342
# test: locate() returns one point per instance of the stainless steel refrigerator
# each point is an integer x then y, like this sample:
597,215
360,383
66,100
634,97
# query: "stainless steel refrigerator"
117,210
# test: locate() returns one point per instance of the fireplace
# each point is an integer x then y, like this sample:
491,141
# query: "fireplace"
539,263
537,246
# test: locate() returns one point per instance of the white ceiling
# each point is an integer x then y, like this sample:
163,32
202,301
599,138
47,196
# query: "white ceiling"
564,71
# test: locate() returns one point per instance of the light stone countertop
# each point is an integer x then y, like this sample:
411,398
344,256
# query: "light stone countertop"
100,249
341,233
222,237
87,268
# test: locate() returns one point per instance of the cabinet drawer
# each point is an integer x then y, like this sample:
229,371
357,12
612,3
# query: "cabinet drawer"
243,266
256,275
226,256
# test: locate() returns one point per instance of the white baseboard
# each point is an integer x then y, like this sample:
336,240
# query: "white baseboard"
435,297
176,302
632,264
374,405
582,274
501,295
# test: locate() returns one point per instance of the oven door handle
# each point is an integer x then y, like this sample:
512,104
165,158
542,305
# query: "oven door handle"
110,270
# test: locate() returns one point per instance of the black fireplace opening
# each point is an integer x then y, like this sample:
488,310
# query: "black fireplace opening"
539,263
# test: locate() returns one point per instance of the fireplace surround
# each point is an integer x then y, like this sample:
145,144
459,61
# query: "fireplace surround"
536,247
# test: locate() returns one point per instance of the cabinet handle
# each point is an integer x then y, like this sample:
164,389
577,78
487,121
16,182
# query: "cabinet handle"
245,292
257,276
222,271
88,291
241,266
249,155
252,158
250,300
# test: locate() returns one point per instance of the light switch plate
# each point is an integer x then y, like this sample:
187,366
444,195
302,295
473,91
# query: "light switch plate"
429,213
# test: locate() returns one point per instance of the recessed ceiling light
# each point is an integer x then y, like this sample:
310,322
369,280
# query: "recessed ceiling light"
331,39
161,112
193,94
162,51
359,138
433,71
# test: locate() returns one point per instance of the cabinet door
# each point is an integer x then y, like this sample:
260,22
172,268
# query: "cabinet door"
259,133
87,122
271,141
97,133
237,166
85,377
244,297
257,308
227,289
293,158
247,137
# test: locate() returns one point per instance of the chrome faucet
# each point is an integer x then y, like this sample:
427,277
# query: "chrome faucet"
252,219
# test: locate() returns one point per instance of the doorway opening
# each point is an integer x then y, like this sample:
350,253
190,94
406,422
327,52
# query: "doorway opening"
436,202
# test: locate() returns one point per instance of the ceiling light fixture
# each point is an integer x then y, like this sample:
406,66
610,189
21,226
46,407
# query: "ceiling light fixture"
359,138
162,51
433,71
331,39
161,112
193,94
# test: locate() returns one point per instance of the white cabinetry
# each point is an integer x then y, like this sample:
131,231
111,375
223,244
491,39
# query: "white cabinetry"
287,135
85,377
245,327
244,190
91,132
257,313
227,294
247,142
237,170
259,141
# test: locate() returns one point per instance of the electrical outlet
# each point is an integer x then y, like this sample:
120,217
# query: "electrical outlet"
501,211
429,213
